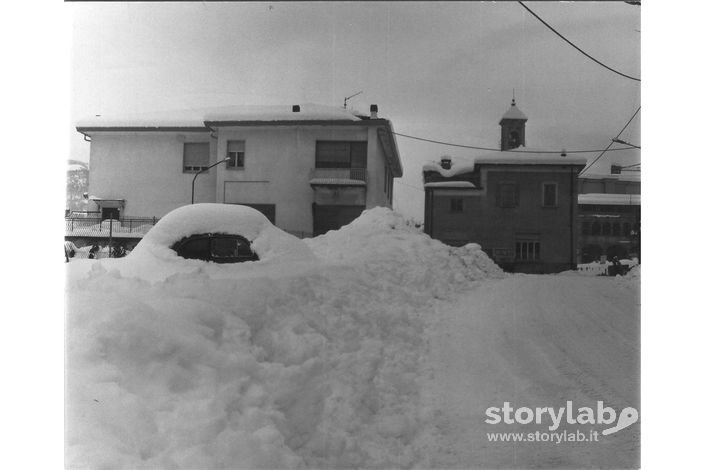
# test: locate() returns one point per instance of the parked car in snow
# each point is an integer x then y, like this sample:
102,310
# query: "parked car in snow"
215,240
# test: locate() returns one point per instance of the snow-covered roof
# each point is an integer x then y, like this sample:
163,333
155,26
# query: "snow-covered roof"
524,156
610,199
450,184
514,113
196,117
337,181
528,156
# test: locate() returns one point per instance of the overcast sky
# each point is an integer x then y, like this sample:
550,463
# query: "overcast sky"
443,71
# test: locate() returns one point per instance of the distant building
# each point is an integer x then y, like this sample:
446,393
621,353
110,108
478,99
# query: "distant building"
520,207
609,214
308,168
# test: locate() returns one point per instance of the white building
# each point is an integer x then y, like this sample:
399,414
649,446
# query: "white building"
309,168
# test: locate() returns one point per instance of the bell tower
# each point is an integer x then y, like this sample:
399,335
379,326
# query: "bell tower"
513,125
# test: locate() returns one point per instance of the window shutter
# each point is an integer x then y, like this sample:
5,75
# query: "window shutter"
236,146
196,154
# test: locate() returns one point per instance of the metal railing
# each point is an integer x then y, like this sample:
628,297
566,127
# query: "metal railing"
126,227
358,174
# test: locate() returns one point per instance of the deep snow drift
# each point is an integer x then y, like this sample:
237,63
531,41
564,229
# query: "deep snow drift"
310,361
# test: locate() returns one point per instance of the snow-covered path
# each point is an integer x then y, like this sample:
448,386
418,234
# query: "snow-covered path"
535,341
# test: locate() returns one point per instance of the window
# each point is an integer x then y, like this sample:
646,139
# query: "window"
550,194
219,248
508,195
616,228
586,228
456,205
196,156
527,250
338,154
595,228
236,155
627,229
606,228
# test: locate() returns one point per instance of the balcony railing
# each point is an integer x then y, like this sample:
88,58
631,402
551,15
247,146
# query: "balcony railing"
339,175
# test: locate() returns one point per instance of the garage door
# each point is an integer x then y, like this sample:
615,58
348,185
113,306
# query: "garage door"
327,218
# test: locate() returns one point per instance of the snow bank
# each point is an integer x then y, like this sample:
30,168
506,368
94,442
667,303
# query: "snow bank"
243,367
390,247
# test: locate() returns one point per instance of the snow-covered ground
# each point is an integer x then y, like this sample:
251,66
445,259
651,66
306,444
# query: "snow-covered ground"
378,348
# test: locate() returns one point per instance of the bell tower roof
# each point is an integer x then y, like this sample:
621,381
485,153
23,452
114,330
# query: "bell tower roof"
514,113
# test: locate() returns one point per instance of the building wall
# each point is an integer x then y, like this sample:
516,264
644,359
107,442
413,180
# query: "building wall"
497,229
146,169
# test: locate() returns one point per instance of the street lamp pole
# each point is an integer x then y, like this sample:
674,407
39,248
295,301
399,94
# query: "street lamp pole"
193,183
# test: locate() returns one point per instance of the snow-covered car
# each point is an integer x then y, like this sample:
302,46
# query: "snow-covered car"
210,238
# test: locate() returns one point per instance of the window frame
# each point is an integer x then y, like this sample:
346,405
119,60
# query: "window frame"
239,156
532,251
545,185
500,193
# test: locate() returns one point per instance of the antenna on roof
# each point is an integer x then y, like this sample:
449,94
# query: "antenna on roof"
513,98
345,101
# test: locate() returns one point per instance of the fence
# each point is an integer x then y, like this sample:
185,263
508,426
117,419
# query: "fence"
127,227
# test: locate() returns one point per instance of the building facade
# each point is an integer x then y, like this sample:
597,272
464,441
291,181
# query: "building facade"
308,168
609,214
520,207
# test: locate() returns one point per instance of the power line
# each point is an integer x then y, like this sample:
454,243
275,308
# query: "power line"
576,47
499,150
411,186
612,141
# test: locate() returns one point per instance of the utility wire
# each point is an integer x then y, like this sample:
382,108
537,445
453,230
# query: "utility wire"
612,141
576,47
499,150
410,185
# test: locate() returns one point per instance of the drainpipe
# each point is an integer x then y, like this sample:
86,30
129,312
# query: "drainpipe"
572,225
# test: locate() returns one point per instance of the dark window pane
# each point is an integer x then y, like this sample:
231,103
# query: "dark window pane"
596,228
243,248
195,248
358,154
586,228
549,194
332,155
606,228
508,195
223,247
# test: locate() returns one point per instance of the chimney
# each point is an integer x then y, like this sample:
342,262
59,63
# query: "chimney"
446,163
296,108
373,111
615,170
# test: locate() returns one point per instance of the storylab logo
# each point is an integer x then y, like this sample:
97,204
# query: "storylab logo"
599,415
